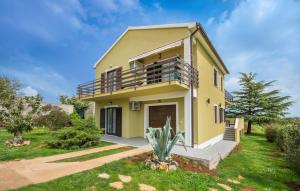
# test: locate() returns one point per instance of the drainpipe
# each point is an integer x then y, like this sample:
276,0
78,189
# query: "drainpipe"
191,85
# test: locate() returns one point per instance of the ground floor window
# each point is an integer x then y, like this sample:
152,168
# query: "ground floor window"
216,113
221,112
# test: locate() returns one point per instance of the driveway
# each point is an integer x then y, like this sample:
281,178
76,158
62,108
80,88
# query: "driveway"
16,174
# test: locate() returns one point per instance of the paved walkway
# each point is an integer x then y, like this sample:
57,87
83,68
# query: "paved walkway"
209,156
16,174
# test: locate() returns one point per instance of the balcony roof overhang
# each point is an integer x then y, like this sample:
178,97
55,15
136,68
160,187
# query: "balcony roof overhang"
166,47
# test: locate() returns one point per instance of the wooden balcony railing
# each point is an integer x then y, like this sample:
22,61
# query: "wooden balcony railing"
167,70
228,96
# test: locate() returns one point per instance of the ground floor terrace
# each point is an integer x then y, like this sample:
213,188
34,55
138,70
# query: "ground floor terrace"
130,117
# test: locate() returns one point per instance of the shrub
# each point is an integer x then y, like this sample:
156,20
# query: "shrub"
271,134
289,141
72,138
83,133
280,138
55,119
292,146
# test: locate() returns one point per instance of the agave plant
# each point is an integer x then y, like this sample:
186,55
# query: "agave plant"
162,142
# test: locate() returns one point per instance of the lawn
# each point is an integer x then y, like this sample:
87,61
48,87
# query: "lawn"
258,161
37,148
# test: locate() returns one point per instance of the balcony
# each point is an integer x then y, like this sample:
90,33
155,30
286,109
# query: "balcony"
171,74
228,97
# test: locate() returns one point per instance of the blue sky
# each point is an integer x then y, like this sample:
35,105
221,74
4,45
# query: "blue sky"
50,46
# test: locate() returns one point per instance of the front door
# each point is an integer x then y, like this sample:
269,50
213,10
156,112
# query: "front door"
158,115
114,121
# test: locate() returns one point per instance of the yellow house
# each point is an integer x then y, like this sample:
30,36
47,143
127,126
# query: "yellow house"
152,72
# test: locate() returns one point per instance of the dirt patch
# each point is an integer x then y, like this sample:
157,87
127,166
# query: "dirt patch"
183,163
139,158
193,165
293,186
238,148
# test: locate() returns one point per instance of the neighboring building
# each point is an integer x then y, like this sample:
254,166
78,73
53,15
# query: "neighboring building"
65,107
152,72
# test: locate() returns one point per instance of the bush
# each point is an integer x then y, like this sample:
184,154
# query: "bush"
83,133
55,119
289,141
271,134
72,138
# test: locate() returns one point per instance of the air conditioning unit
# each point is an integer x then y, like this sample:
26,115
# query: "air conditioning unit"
134,105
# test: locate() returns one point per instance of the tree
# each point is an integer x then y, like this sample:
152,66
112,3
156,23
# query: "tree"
256,102
16,112
79,106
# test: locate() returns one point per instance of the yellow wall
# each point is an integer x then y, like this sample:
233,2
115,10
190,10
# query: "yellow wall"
204,112
133,121
135,42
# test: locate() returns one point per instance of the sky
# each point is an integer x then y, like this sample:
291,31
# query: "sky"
50,46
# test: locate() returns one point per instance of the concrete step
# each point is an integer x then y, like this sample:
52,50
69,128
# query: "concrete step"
229,134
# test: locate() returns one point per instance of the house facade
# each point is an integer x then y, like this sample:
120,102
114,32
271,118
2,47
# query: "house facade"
152,72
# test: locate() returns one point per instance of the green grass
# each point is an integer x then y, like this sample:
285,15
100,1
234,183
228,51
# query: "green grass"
95,155
258,161
37,148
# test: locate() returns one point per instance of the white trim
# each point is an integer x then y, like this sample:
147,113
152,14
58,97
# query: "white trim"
156,50
188,96
176,25
110,106
168,95
188,25
146,114
209,142
236,123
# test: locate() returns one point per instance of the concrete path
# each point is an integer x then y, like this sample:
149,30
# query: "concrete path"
209,156
16,174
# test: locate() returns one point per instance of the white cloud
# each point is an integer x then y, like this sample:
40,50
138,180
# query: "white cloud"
28,91
262,37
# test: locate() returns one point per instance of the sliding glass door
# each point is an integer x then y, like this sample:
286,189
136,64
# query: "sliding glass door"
113,121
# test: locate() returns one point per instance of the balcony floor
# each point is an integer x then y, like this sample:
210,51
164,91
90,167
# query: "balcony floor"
162,87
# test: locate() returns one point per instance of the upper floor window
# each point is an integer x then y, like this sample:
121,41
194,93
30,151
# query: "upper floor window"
132,65
222,88
216,113
215,77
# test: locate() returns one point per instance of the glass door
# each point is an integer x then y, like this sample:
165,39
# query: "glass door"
111,80
111,125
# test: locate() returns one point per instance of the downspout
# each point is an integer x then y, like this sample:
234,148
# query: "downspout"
192,85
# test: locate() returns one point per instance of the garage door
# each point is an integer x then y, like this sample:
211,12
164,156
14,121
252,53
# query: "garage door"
158,115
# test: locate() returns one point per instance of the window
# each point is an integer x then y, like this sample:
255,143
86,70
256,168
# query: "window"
215,77
221,112
216,113
132,65
222,84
